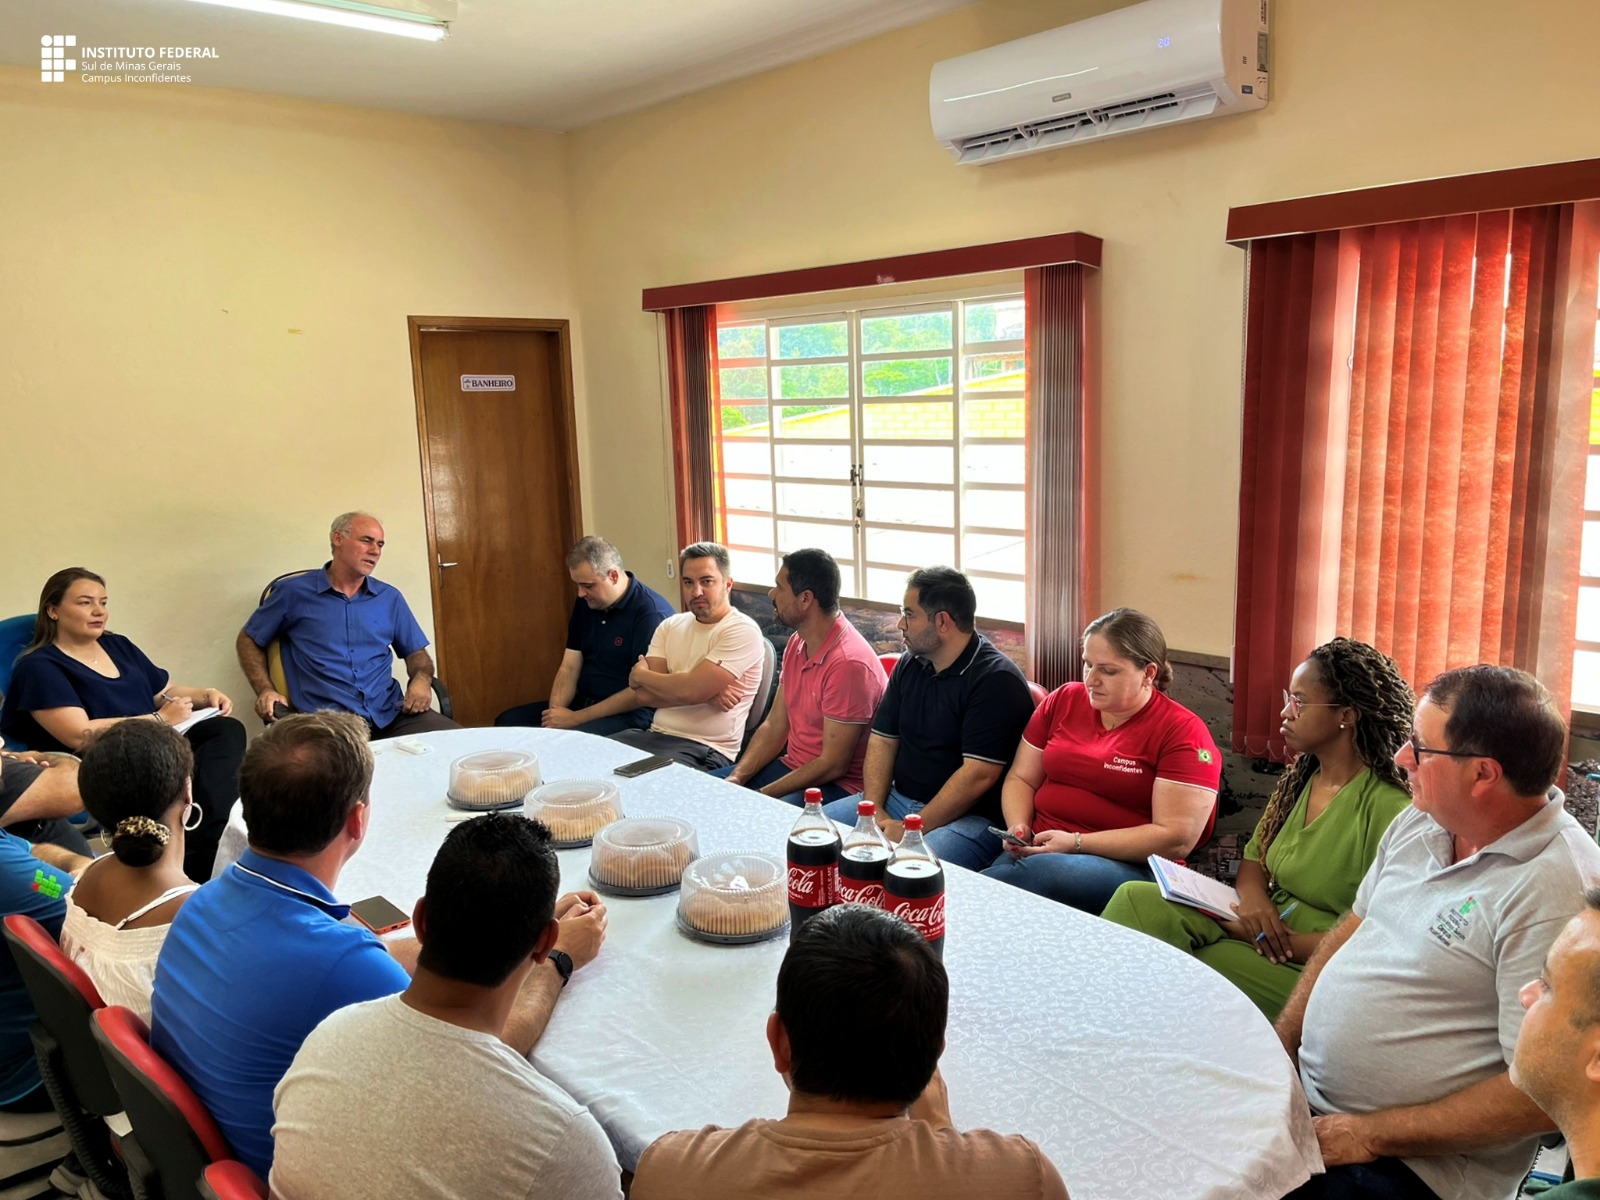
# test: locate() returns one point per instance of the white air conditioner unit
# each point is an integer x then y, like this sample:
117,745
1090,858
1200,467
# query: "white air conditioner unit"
1153,64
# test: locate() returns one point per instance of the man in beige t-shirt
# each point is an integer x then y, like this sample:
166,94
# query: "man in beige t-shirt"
702,670
868,1114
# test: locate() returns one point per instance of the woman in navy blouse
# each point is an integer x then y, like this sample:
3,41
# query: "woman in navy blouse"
75,677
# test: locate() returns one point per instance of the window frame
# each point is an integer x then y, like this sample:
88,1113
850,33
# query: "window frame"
854,310
1587,715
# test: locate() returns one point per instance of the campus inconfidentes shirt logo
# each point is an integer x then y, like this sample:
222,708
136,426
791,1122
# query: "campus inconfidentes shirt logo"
1449,925
53,61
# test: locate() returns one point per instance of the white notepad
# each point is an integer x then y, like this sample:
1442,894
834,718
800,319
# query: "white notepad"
1180,884
194,718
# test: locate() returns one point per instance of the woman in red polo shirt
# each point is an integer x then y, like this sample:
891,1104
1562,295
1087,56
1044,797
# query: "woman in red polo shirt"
1109,772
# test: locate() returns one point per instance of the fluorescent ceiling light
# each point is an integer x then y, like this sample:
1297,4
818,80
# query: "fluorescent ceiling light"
430,23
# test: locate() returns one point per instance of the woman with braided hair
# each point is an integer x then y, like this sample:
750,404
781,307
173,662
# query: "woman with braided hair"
136,781
1346,714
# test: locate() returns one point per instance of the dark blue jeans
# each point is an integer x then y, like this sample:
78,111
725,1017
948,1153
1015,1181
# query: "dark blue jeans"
1085,881
776,770
1380,1179
530,714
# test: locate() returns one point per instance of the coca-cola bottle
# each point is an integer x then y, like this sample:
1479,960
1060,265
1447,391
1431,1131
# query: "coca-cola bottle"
863,859
813,863
913,885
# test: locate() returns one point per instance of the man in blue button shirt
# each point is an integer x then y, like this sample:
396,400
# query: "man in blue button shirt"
337,628
610,628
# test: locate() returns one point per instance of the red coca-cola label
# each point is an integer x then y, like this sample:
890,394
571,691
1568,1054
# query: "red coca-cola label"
813,887
860,891
926,914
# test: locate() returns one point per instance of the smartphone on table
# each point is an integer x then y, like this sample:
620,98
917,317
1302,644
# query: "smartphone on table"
654,763
379,915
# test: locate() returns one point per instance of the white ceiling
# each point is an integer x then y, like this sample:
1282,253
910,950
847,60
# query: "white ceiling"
547,64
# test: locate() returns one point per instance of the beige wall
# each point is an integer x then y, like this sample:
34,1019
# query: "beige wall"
832,160
160,422
203,345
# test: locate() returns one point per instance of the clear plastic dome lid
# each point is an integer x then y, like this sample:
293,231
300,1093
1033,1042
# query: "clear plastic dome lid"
740,894
576,809
643,855
492,779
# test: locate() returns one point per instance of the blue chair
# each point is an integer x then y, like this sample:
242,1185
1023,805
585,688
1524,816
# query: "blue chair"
15,633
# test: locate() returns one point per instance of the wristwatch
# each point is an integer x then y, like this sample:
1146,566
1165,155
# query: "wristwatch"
562,962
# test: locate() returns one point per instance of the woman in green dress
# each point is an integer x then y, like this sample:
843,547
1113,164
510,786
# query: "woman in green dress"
1345,715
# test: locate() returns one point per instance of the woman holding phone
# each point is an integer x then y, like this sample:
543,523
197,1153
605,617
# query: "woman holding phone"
1346,714
1109,772
76,677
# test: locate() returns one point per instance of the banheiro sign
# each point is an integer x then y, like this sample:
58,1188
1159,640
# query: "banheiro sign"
488,383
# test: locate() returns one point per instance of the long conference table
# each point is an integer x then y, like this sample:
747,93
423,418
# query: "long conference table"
1140,1072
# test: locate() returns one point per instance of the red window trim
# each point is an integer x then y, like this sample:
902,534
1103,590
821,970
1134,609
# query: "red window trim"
932,264
1520,187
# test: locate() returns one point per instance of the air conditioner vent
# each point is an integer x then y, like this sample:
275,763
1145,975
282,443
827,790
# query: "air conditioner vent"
1158,109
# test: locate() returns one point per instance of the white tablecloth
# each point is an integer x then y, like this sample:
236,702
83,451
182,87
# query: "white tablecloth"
1139,1071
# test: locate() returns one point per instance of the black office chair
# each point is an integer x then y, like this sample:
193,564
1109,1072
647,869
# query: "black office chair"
174,1137
280,681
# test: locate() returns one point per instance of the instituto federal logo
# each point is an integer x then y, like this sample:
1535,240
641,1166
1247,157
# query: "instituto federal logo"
53,60
116,64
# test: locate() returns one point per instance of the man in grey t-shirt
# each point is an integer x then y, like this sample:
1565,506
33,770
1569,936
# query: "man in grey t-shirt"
1406,1017
429,1095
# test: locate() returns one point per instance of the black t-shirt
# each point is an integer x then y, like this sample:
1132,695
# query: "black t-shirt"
975,708
47,679
15,778
612,639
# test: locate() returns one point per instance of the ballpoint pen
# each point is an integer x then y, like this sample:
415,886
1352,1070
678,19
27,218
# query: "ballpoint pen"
1293,904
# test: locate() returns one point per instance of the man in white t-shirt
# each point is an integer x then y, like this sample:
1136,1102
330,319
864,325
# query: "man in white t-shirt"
429,1095
702,670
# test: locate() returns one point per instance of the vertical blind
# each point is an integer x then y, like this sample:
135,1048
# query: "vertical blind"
1058,521
1415,431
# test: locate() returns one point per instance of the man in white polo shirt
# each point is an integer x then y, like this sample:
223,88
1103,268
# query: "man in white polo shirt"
1408,1014
702,670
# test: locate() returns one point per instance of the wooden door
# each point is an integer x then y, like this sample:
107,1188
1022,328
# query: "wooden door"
500,483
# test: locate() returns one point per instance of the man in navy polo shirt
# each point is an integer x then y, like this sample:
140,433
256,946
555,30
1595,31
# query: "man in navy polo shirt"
610,628
338,628
947,727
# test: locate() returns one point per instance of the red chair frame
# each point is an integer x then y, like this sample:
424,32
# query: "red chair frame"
175,1137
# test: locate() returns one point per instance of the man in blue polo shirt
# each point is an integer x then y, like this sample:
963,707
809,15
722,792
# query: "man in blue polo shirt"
257,957
947,727
610,628
338,628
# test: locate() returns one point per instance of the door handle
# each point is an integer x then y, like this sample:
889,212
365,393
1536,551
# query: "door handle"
443,564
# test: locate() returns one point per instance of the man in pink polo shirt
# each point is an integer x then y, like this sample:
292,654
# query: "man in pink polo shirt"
832,682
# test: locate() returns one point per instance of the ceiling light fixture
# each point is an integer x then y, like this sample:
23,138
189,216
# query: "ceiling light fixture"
426,20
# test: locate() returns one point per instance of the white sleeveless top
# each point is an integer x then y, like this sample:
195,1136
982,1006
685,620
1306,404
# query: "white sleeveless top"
121,962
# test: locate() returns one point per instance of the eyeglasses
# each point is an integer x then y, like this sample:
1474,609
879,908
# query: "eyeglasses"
1294,704
1418,749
